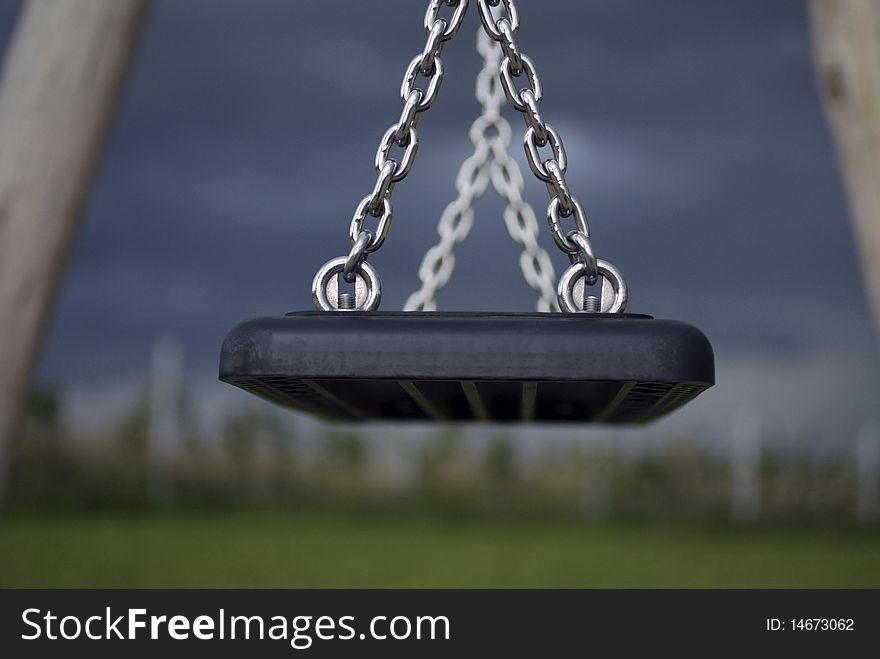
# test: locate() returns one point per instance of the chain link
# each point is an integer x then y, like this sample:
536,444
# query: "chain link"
490,162
391,169
527,100
490,23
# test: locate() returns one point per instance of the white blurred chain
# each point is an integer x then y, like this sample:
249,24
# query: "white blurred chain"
490,161
523,89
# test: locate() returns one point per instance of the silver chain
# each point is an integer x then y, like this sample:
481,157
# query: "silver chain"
390,169
585,269
490,161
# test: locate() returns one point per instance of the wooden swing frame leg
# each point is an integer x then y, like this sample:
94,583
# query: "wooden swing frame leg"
846,34
64,71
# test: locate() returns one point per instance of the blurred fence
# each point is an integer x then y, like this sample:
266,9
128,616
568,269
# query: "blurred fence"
259,458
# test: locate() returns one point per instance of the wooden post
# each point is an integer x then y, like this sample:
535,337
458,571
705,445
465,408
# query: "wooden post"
847,48
61,82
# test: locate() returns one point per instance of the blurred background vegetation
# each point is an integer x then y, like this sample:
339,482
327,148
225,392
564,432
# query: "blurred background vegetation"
268,504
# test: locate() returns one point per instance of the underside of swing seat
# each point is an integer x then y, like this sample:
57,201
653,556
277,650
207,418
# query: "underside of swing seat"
500,367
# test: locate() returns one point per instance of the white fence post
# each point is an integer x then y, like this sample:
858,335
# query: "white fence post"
745,463
597,493
164,424
868,461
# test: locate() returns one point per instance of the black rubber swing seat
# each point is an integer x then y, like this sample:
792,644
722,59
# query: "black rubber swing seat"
502,367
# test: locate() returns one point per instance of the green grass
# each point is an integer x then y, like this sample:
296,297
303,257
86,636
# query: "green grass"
297,549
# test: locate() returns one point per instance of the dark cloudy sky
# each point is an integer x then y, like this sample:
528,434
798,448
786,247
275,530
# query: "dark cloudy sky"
696,143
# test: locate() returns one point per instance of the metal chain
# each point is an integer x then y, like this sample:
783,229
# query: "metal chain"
391,169
490,161
527,99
